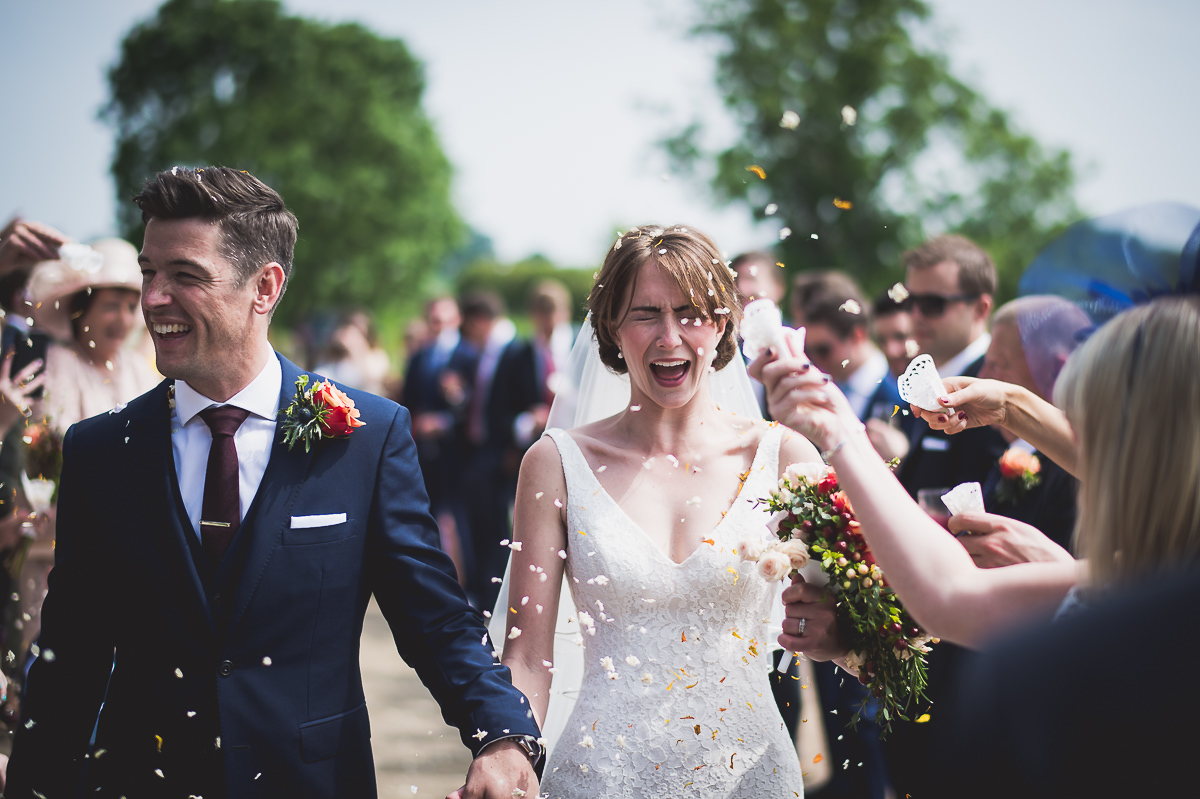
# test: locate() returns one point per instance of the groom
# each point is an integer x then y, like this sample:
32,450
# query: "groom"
235,615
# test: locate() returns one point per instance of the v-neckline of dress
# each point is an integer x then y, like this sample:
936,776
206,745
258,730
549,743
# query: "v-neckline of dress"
755,464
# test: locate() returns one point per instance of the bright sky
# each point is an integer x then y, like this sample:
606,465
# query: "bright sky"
550,110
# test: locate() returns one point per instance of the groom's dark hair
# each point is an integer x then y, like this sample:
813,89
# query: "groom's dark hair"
256,227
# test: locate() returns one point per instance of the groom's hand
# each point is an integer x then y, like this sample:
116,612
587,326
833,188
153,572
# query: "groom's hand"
501,771
820,639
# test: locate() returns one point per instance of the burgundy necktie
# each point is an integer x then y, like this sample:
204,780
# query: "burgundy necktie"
220,514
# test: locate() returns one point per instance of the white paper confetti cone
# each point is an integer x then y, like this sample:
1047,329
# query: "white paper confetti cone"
964,498
921,385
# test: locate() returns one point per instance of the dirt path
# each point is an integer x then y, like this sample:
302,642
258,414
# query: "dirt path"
416,754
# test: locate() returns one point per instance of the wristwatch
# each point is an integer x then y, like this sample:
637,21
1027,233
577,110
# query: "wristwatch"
530,746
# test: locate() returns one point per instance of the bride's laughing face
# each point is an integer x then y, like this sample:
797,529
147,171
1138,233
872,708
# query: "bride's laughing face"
667,345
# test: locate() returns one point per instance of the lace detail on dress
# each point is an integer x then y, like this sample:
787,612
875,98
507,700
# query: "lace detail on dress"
676,699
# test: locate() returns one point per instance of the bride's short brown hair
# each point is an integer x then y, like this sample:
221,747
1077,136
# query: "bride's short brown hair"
688,256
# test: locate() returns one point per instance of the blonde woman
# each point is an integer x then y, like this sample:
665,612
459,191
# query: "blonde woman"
1131,396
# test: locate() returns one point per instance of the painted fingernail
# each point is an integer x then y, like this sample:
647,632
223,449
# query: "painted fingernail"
825,378
944,400
771,352
962,415
804,368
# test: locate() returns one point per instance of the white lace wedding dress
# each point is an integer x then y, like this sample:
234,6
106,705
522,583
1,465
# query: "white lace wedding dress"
675,699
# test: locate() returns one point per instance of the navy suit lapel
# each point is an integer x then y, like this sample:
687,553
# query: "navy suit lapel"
269,513
148,449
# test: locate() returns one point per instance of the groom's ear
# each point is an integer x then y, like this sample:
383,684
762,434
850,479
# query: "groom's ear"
268,288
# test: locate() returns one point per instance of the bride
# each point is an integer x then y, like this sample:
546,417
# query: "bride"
644,511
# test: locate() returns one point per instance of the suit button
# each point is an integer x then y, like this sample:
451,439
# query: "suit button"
225,669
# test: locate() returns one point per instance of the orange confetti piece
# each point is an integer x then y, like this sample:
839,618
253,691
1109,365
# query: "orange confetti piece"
697,729
693,685
158,738
758,170
714,735
845,205
702,765
732,571
709,541
683,637
731,757
895,410
779,264
818,758
921,719
736,635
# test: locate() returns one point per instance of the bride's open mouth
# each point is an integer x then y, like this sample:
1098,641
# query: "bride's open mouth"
670,373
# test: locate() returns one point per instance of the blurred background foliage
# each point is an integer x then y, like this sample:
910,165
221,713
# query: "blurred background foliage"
867,142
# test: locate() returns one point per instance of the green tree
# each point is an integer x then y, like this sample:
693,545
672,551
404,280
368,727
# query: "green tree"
867,141
330,116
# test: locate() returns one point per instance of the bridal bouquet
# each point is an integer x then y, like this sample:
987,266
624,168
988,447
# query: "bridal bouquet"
886,646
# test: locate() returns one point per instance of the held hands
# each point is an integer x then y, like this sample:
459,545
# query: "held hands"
801,397
501,771
999,541
817,636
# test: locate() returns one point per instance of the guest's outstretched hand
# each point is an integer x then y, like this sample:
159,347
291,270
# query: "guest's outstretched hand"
999,541
25,243
975,403
800,396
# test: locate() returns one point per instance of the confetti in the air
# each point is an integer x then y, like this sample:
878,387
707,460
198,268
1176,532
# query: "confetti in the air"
851,306
849,115
844,205
898,293
758,170
784,233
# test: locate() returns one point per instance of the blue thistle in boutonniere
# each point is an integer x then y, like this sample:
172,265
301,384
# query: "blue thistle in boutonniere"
320,411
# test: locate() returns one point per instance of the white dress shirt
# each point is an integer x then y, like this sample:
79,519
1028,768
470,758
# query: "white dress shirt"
191,439
959,363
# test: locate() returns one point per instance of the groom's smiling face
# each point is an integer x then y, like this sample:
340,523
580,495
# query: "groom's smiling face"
202,319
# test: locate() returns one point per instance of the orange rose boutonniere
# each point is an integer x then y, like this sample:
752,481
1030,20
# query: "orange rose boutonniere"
322,411
1019,472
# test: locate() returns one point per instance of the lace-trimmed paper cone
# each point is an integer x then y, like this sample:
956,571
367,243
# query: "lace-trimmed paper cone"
921,385
963,498
762,329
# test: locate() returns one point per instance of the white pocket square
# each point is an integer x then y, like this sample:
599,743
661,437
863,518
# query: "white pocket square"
319,520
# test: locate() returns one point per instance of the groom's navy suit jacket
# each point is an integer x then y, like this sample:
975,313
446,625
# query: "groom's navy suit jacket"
244,682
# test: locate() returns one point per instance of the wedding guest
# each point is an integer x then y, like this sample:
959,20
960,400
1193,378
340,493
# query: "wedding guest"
1029,335
831,308
353,356
759,277
950,281
892,331
435,391
1124,530
87,300
547,349
503,386
90,307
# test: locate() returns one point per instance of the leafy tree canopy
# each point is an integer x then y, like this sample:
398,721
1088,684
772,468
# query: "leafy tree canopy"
868,141
330,116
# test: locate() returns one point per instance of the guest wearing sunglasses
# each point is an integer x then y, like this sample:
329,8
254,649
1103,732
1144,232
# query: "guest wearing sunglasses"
951,281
